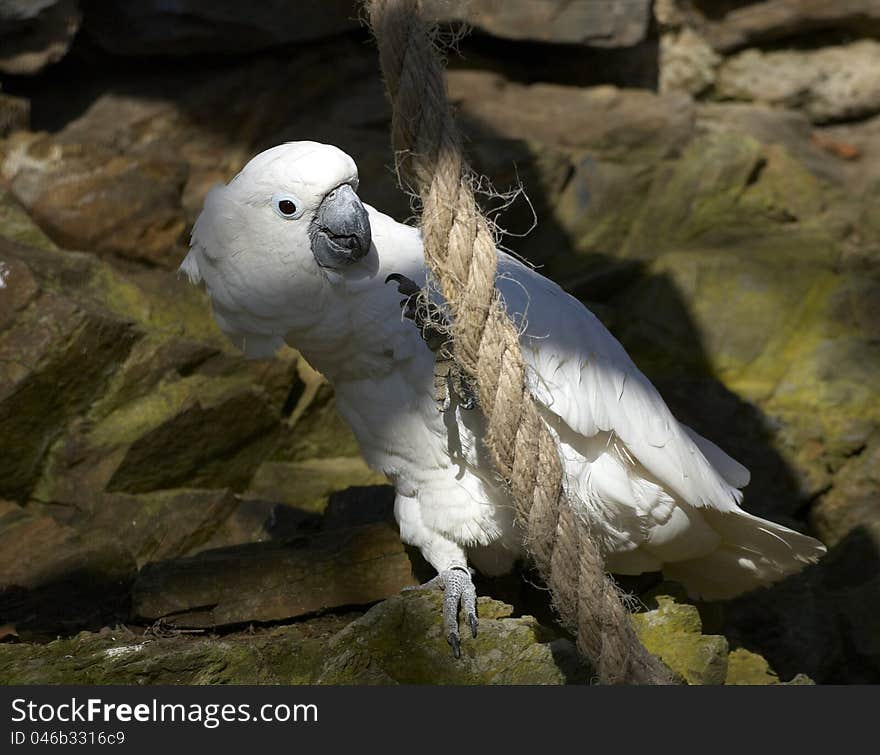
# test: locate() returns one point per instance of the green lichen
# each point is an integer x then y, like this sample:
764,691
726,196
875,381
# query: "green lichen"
307,484
745,667
66,375
283,656
673,631
165,523
193,445
398,641
191,432
728,190
17,226
401,641
599,206
317,431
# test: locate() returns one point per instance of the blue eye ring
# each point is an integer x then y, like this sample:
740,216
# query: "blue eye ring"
287,206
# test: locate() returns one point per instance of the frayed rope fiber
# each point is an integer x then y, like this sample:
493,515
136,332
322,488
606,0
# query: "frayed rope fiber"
461,256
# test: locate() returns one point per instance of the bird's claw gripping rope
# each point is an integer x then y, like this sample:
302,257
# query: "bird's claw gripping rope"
450,383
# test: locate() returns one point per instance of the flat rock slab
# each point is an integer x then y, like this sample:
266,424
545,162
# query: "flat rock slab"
88,196
273,581
758,23
401,641
597,23
616,123
398,641
833,83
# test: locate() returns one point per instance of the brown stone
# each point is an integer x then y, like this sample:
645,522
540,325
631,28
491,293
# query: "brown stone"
760,22
307,484
613,121
687,63
164,524
829,84
790,129
17,289
36,34
274,581
598,23
56,358
85,196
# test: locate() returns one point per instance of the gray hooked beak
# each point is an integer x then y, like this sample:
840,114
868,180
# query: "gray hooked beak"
340,230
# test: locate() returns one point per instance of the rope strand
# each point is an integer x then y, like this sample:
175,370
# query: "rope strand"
461,257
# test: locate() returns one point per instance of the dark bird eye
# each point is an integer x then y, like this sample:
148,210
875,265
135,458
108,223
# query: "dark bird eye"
287,206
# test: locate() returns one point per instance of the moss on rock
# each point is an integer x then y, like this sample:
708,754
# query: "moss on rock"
746,667
398,641
16,225
307,484
728,189
673,631
60,356
282,656
401,641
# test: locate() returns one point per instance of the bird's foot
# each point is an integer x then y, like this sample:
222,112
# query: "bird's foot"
433,325
428,317
459,590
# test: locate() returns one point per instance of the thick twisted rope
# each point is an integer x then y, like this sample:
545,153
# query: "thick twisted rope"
461,256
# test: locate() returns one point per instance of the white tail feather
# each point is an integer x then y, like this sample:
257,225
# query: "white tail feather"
754,552
729,468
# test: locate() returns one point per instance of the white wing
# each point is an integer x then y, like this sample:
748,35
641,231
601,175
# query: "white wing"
657,493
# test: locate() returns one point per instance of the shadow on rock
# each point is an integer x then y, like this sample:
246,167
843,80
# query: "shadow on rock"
823,621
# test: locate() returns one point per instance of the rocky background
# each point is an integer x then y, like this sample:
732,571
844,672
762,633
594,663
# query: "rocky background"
705,176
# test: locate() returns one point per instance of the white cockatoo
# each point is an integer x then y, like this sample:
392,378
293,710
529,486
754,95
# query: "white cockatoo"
288,253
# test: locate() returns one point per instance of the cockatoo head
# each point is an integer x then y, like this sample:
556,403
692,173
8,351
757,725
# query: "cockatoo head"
270,244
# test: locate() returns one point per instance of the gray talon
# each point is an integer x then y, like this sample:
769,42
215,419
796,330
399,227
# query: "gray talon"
433,326
455,643
405,285
458,591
